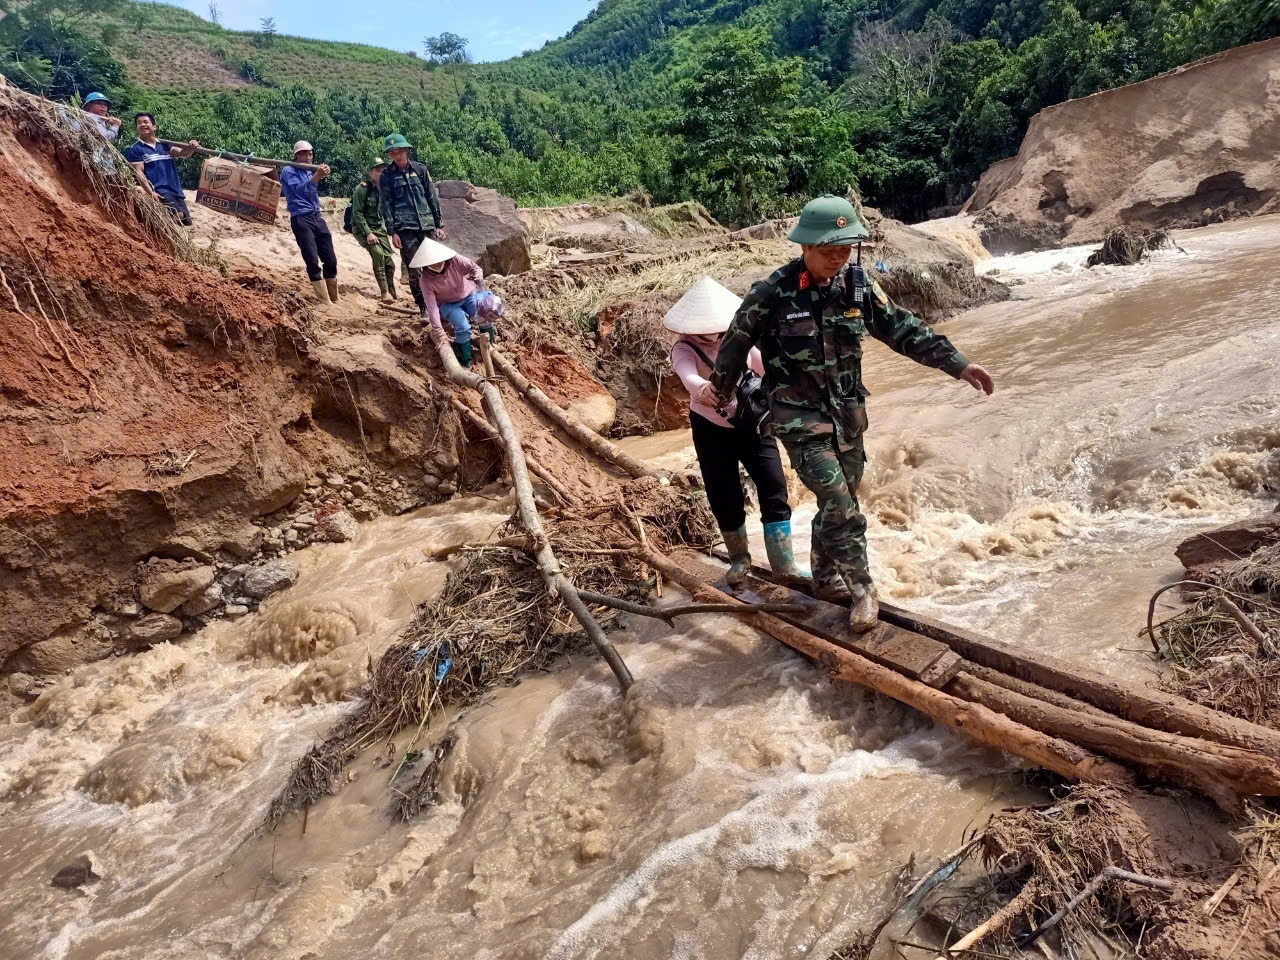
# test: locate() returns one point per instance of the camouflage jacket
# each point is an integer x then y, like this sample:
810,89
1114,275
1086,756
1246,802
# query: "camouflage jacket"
811,341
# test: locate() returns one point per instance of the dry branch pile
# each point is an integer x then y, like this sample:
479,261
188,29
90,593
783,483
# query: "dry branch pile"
1124,248
494,622
1218,659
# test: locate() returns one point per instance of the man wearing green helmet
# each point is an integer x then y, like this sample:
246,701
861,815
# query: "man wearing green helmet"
809,319
410,208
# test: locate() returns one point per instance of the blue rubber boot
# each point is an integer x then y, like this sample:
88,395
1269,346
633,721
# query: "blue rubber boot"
777,545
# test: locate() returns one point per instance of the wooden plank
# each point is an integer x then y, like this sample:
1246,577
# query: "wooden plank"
943,670
908,653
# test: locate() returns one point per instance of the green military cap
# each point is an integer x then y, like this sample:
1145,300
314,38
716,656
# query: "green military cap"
377,162
828,221
395,141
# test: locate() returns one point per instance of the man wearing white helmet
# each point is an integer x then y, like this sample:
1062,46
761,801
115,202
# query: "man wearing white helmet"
724,436
314,239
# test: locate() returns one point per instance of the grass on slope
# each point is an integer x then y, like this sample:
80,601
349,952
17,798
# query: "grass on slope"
168,48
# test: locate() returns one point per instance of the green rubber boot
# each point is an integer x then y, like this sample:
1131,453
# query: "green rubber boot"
463,352
391,295
777,545
735,542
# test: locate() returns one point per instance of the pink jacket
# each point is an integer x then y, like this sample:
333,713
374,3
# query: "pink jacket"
458,280
693,373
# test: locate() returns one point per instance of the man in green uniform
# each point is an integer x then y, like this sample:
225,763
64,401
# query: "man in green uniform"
410,208
366,226
809,319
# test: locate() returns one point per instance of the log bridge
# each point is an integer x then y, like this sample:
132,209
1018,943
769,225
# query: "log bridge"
1076,722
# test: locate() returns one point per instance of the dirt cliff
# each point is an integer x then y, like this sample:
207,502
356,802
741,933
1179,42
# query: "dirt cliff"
1191,146
149,407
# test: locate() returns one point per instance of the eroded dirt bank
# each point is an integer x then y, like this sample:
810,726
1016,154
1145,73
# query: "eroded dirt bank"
1192,146
152,410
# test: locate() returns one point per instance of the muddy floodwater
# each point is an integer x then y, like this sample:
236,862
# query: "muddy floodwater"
738,805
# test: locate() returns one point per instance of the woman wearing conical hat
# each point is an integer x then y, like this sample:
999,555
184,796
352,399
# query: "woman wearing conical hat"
452,289
700,317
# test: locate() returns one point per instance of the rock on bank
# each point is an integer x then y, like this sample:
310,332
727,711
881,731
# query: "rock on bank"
1191,146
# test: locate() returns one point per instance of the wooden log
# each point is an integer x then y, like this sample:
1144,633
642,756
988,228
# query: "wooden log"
578,432
552,575
1224,773
1145,706
972,719
536,468
1148,707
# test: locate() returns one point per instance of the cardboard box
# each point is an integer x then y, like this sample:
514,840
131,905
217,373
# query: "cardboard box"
240,190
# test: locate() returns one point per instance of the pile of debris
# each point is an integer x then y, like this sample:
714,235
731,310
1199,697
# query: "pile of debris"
1124,247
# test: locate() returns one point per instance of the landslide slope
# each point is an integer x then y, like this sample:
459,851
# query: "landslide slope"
1194,145
148,406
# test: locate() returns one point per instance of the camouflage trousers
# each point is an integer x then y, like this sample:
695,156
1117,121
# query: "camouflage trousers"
839,528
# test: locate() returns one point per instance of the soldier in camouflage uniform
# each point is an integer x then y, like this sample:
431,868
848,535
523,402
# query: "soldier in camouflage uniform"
809,319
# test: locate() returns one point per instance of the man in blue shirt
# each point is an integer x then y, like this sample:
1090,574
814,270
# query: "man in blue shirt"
309,229
155,165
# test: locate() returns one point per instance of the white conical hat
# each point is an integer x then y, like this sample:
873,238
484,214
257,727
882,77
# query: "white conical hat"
430,253
707,307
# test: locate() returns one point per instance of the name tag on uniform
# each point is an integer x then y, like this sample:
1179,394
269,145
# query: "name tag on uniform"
798,316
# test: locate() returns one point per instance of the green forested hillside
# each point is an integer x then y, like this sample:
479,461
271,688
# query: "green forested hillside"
746,105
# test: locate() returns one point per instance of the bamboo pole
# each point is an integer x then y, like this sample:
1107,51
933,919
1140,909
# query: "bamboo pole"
239,157
581,434
552,573
972,719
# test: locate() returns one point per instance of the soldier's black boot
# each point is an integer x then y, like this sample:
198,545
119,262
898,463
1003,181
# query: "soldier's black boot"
828,582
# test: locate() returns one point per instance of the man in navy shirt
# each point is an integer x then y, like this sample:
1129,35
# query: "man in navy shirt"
309,229
155,165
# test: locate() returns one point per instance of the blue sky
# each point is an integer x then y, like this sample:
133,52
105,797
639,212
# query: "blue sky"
497,29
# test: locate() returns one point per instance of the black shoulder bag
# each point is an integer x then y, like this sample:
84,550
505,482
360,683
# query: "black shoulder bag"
751,415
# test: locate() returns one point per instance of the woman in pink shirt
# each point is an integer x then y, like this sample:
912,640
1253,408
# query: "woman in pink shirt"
700,317
451,288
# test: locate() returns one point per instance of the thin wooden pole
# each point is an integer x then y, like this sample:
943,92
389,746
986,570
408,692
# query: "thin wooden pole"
583,435
239,157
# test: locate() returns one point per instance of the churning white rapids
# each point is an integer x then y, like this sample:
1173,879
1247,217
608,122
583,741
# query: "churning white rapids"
738,804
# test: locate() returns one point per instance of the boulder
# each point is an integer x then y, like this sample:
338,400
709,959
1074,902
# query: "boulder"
75,874
204,601
84,643
235,610
165,585
268,578
244,542
152,629
1227,544
483,225
338,527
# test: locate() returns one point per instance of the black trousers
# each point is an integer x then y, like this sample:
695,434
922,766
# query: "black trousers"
720,450
410,241
178,207
316,243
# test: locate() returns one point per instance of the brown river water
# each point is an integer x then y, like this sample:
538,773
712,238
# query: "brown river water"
739,804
